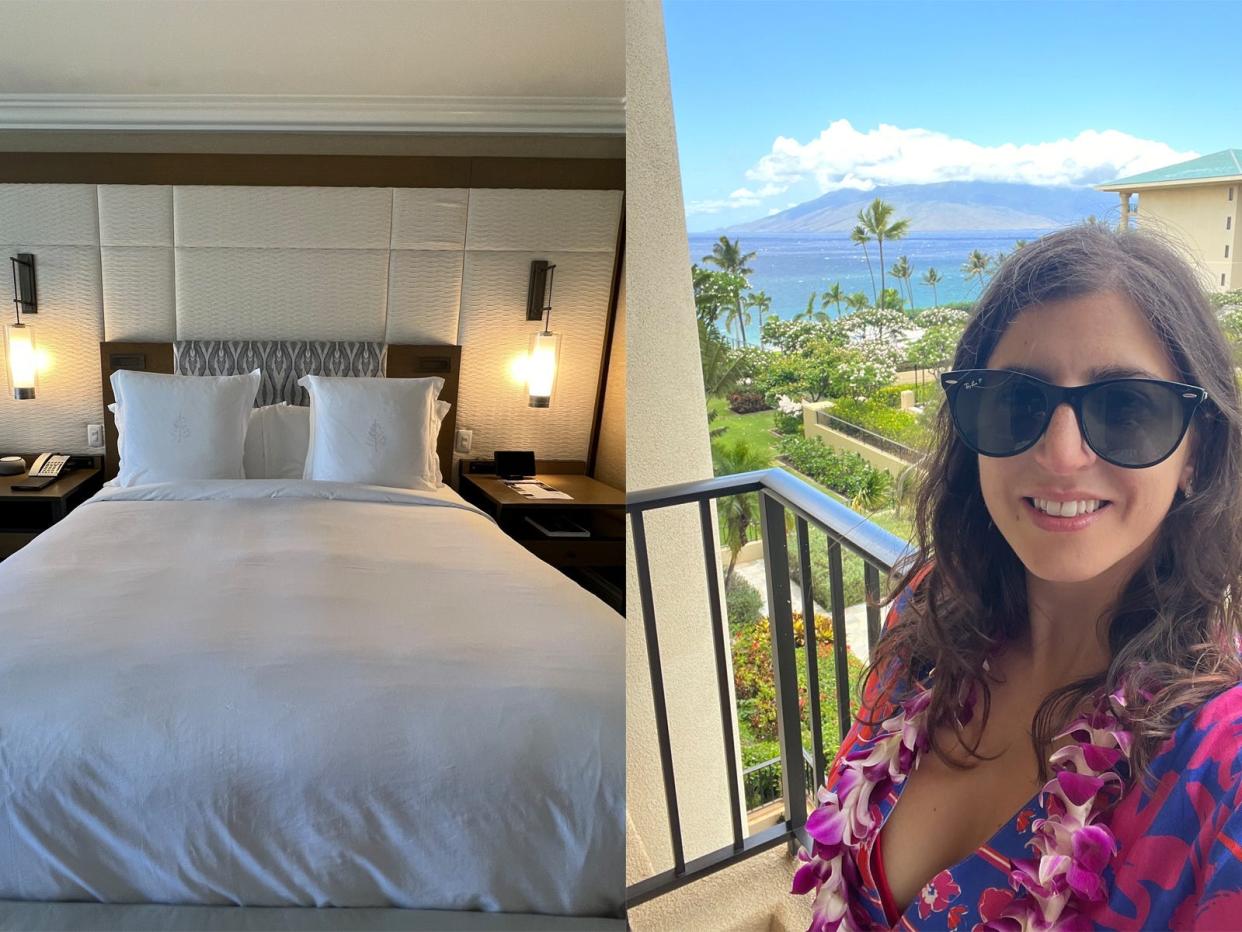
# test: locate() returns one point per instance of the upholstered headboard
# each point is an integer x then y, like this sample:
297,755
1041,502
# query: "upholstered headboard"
282,364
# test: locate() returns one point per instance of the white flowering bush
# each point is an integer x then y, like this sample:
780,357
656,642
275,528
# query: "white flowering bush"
867,366
787,405
875,323
943,317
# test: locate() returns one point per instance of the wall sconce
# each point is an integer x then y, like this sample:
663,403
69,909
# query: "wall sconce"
545,346
19,339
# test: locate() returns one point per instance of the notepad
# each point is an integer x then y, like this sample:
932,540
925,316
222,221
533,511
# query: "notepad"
533,488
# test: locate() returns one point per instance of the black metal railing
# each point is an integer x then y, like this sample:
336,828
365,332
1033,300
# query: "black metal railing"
761,782
780,493
899,450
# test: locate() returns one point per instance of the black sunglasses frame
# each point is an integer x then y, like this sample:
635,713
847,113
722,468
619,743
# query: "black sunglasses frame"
1191,397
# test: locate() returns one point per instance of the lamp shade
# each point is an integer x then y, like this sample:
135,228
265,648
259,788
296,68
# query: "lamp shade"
19,353
541,364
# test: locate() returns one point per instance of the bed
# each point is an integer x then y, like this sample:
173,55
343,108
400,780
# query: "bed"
285,693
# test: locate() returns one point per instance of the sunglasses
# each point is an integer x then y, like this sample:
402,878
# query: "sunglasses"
1130,422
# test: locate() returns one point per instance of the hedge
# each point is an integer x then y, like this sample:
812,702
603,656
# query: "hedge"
846,473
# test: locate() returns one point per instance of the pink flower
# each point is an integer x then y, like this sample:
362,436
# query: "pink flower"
937,895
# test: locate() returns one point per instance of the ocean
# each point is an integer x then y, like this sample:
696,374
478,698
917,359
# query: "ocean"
789,268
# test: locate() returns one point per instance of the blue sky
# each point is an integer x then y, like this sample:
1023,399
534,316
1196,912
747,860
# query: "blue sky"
778,102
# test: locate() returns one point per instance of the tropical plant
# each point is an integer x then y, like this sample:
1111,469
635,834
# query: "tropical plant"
932,277
978,265
809,313
864,368
760,301
741,316
877,219
860,237
721,365
902,272
728,256
835,296
873,492
715,293
738,513
857,300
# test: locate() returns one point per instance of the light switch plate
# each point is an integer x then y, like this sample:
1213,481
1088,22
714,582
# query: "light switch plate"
463,441
94,435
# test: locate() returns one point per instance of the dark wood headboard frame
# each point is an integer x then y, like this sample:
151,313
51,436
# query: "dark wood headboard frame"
405,361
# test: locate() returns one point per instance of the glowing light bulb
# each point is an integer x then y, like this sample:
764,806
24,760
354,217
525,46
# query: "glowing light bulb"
541,368
23,359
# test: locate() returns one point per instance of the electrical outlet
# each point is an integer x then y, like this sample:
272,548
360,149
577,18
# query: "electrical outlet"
94,435
463,441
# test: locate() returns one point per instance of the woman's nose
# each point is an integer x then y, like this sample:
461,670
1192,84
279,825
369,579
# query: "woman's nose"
1063,448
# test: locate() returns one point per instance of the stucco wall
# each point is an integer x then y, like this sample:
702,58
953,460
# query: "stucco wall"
666,442
1197,214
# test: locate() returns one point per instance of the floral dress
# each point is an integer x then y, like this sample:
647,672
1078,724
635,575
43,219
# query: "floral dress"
1179,863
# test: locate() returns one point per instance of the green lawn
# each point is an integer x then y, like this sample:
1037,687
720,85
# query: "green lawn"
755,428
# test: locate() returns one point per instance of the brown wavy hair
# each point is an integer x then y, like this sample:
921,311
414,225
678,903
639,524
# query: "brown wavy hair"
1175,615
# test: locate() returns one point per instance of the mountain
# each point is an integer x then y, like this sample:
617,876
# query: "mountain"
947,205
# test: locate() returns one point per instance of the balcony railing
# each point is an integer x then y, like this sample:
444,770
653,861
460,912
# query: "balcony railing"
779,493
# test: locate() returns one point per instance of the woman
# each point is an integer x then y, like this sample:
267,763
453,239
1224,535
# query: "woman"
1061,662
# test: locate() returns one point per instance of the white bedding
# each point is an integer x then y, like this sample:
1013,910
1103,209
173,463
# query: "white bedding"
278,692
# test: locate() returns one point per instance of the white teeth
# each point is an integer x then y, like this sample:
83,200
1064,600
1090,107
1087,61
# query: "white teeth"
1067,509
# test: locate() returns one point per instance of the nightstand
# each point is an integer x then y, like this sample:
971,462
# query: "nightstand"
25,515
596,562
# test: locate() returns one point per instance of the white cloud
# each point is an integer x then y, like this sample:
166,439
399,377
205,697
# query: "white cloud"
843,157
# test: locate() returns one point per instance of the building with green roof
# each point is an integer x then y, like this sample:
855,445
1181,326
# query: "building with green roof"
1197,202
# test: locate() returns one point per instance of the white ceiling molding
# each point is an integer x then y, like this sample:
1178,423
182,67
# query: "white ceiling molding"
306,113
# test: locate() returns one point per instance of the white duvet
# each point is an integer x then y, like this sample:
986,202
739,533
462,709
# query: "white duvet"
305,693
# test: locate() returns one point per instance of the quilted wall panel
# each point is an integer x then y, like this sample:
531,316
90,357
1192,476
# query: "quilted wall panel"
355,264
583,221
494,331
277,294
429,218
136,258
283,218
424,296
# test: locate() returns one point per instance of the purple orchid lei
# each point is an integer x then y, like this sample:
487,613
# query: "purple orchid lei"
1072,846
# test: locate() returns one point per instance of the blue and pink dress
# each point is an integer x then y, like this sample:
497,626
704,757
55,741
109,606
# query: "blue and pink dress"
1179,860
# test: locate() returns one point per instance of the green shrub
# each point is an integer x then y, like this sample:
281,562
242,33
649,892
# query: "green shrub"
846,473
787,424
903,426
743,602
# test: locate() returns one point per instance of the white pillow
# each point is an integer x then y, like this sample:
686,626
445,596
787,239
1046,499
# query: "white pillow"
374,431
174,427
278,439
438,414
276,442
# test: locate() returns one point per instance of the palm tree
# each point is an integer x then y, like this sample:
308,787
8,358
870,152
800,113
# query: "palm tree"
721,367
932,277
834,295
739,315
728,256
978,264
856,301
810,313
738,513
762,303
877,220
859,236
901,270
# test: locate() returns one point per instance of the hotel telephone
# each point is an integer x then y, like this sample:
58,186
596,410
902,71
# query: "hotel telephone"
45,470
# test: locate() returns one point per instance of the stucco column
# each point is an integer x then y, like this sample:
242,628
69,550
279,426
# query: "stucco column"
1125,210
666,441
